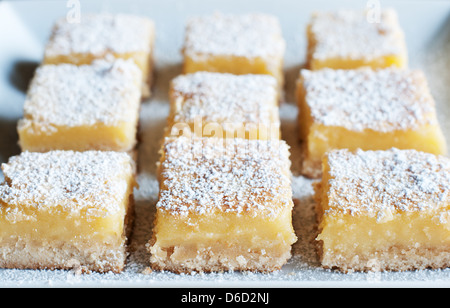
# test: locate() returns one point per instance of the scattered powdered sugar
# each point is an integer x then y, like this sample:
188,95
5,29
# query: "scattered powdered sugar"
349,34
226,175
247,35
225,98
98,34
380,182
303,269
71,182
382,100
105,92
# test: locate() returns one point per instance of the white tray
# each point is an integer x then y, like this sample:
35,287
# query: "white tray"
24,29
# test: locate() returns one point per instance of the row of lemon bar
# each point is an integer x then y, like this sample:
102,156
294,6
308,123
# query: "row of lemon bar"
226,203
225,198
368,127
67,199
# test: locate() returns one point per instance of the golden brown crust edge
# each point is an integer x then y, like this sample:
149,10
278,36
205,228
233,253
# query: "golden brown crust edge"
190,259
394,258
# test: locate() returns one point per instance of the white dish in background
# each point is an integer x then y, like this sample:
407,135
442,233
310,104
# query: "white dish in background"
25,27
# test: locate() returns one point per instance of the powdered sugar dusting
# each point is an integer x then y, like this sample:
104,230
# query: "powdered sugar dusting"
229,175
379,182
303,269
226,98
91,182
349,34
247,35
69,95
381,100
98,34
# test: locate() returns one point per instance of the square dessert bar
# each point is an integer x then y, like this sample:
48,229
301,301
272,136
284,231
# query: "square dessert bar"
366,109
224,204
224,105
99,36
350,39
236,44
384,210
86,107
65,209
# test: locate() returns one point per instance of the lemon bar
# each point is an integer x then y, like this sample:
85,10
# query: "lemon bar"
346,39
236,44
104,35
224,204
220,105
366,109
80,108
64,209
384,210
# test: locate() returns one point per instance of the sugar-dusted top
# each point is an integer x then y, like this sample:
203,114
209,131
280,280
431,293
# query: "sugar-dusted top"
381,100
69,95
201,176
98,34
356,35
382,183
247,35
93,183
226,98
